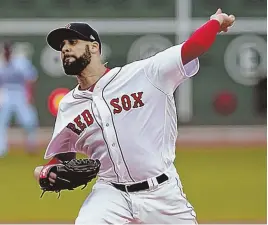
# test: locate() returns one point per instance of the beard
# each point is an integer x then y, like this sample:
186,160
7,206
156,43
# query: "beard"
75,67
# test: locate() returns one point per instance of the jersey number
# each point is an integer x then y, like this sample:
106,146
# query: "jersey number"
127,102
78,125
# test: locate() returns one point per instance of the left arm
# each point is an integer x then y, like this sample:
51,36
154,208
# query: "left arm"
168,69
200,41
203,38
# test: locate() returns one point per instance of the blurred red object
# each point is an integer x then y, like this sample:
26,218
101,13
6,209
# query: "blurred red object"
225,103
54,99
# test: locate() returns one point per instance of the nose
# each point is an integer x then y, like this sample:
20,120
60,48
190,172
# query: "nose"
65,48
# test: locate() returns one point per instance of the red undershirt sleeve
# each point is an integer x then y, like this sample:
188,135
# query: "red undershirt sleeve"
54,160
200,41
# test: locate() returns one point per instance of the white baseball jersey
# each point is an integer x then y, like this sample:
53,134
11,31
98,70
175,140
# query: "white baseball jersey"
129,121
14,75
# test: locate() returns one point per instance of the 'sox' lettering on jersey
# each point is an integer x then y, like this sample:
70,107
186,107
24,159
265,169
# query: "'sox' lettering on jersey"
78,126
127,102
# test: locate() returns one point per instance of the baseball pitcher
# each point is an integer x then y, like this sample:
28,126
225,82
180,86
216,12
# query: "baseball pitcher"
124,119
17,76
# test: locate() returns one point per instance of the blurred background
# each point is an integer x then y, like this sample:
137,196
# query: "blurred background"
221,148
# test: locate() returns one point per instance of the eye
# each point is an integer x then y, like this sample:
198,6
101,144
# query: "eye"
72,42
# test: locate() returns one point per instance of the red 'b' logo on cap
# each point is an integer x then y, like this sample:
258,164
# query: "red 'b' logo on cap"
68,26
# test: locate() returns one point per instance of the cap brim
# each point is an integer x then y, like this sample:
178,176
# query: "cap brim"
56,37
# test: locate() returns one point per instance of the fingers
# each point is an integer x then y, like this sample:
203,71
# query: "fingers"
225,29
226,21
53,175
52,181
219,11
52,178
232,19
229,21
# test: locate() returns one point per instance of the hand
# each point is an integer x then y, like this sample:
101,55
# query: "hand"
226,21
37,172
52,176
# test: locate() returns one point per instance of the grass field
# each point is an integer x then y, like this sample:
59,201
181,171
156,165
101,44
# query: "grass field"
223,184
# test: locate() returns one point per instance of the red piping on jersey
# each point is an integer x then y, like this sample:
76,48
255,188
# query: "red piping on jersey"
200,41
54,160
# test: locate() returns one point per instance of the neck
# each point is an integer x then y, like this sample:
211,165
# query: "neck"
90,75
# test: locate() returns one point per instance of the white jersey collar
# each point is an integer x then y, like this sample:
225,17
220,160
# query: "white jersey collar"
101,83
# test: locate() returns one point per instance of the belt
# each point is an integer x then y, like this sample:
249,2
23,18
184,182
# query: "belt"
139,186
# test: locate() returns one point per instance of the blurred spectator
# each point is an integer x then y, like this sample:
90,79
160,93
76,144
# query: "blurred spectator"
17,77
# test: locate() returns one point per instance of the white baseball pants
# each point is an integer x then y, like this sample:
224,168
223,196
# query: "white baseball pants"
162,204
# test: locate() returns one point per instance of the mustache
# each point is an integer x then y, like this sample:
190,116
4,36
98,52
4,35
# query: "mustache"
67,56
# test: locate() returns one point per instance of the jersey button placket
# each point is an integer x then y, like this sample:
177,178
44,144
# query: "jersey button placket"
109,130
116,151
104,114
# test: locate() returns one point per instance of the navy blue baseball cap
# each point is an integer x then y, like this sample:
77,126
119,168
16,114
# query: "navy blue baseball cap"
76,30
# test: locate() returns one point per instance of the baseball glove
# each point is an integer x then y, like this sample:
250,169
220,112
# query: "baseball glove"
70,175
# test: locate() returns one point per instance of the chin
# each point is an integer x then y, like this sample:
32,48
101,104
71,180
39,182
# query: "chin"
71,73
75,68
71,70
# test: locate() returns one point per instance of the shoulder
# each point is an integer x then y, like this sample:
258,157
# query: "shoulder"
169,51
161,55
68,97
136,65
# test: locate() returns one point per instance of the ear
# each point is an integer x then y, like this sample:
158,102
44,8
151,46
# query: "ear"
94,47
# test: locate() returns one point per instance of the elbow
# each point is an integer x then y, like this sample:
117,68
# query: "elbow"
192,50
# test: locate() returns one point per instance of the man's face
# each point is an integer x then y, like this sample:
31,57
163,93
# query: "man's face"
75,55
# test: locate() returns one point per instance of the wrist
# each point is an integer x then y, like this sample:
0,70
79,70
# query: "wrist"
37,172
215,25
219,19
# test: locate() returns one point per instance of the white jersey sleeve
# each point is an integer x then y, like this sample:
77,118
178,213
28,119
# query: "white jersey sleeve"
166,71
63,139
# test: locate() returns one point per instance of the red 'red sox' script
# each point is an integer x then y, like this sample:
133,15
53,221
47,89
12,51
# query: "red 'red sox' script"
127,102
81,125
